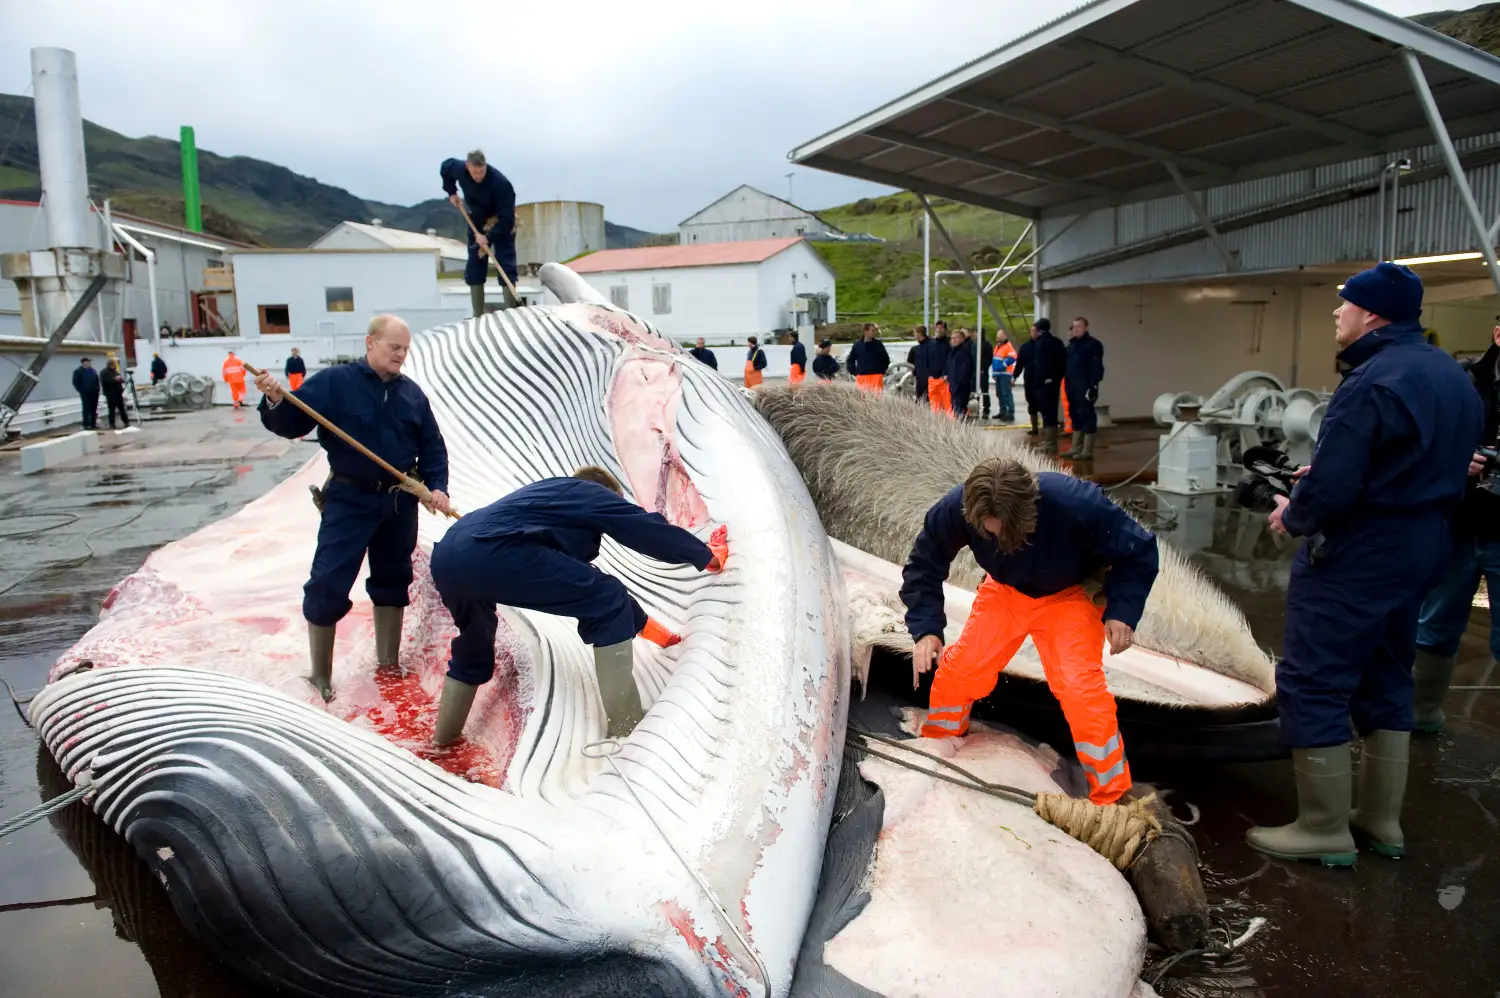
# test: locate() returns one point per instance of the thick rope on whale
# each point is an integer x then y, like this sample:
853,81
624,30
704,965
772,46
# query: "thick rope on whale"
1118,832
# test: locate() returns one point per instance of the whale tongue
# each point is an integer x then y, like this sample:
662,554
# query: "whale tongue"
643,422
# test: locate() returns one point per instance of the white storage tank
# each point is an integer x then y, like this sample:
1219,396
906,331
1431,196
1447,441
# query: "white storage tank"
557,231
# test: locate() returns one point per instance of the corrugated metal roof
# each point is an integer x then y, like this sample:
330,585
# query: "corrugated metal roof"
695,255
1085,111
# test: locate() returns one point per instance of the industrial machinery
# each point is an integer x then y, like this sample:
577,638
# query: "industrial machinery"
1205,450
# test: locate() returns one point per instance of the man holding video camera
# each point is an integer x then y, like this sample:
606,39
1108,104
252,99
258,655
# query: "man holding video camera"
1476,550
1391,462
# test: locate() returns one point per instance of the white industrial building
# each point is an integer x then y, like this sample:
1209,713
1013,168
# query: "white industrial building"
720,291
376,235
557,231
746,213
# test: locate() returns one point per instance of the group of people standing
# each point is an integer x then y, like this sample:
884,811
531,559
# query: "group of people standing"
1062,383
89,384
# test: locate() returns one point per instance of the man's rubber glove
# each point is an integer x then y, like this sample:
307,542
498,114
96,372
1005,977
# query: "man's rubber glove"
657,634
719,545
1092,395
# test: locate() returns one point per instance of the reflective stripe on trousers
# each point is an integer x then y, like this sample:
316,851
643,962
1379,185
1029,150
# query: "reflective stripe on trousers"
1068,630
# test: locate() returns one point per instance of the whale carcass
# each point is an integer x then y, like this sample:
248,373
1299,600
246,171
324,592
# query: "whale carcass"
334,852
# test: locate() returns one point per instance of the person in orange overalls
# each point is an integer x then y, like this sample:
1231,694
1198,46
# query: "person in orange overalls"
296,370
799,361
1037,537
937,349
868,361
234,374
755,363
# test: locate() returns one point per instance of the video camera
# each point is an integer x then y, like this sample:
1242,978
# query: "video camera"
1270,476
1489,478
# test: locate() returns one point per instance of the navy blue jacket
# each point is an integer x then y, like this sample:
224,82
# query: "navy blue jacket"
917,358
1025,357
113,382
85,380
936,352
799,355
757,355
1396,439
1050,359
158,368
295,365
986,356
392,418
492,197
705,356
570,515
825,366
868,357
960,372
1085,367
1078,532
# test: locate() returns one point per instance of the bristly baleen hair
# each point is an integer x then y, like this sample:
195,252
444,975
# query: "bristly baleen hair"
875,465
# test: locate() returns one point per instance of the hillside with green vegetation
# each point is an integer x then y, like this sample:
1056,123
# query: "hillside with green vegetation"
243,198
1477,26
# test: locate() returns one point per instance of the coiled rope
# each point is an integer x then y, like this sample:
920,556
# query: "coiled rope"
1120,833
607,749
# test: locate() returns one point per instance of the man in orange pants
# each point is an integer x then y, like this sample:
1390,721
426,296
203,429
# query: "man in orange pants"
755,363
234,374
1037,537
868,361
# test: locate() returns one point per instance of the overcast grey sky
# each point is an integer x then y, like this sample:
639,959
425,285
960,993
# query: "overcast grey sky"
653,107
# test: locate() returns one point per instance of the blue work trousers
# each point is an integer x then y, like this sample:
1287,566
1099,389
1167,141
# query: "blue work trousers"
502,244
1081,413
355,521
1445,611
473,575
1047,399
1351,628
1005,396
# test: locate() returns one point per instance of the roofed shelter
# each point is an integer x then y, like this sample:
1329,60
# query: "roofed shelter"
1196,171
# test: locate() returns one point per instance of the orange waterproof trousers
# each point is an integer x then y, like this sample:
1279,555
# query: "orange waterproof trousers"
1068,630
752,376
295,380
237,391
1065,419
870,382
938,396
798,375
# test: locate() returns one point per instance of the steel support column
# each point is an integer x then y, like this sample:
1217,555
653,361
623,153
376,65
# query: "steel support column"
1196,203
1455,169
963,264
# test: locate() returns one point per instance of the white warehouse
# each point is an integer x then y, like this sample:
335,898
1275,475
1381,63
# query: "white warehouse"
720,291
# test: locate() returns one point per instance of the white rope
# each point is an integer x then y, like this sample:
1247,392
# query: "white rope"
607,749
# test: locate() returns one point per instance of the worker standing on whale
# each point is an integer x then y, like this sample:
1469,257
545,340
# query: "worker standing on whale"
1037,537
491,203
362,507
533,549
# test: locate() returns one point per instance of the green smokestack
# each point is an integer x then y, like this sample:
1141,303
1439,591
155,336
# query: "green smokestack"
192,207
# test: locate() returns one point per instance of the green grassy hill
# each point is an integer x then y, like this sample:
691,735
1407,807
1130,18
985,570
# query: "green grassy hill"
1477,26
243,198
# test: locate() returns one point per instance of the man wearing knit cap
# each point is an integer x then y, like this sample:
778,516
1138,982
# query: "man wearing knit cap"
1391,463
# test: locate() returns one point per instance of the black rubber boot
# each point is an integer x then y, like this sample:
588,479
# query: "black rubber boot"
1383,760
320,648
1321,831
1431,674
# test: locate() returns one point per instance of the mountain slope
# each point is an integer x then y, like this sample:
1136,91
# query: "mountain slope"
1477,26
243,198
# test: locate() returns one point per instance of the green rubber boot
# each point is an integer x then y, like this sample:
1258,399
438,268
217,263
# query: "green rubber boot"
1036,424
617,689
453,711
1087,452
1076,451
388,635
1321,831
1430,676
476,299
1383,761
320,648
1049,441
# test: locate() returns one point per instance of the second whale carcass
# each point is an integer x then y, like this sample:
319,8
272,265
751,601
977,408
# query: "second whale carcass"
331,851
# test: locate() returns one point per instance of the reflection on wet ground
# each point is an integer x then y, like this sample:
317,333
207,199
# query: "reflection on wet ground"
1423,925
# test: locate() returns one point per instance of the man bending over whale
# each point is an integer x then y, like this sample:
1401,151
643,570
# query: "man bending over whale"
1037,537
532,550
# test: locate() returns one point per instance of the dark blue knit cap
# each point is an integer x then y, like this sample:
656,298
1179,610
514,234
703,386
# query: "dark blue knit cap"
1390,291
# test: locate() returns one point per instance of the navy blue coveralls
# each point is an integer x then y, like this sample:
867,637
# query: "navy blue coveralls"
491,198
86,384
960,375
799,356
532,549
1025,357
1047,366
296,365
362,509
986,355
704,355
1391,462
825,366
1085,372
917,358
158,369
1078,532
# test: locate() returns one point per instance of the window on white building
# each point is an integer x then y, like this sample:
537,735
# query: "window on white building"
275,319
661,299
619,296
339,299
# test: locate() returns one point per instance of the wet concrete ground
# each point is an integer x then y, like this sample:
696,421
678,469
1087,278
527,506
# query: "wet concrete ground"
79,916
